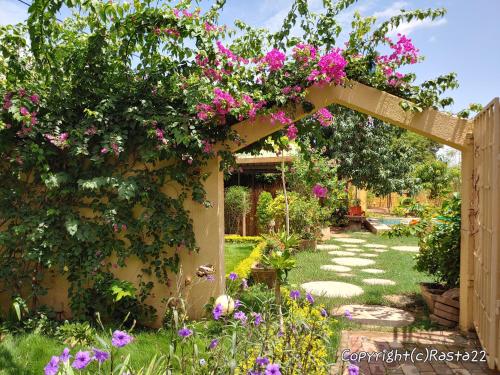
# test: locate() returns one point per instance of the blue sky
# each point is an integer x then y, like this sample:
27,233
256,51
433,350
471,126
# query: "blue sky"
465,41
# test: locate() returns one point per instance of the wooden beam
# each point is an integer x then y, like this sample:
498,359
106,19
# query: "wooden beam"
438,126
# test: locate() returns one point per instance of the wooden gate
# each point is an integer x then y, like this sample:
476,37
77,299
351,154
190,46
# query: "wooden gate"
486,225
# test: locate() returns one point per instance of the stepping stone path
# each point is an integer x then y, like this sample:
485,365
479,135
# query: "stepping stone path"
378,282
372,270
367,255
327,247
376,315
341,253
353,262
378,250
332,289
349,240
411,249
351,245
345,275
332,267
374,246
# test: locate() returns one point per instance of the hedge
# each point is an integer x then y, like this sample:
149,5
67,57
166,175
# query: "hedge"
244,268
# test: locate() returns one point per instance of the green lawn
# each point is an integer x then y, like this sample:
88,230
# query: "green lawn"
235,252
398,267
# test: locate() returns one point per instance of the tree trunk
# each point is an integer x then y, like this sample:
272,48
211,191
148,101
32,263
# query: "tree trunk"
287,212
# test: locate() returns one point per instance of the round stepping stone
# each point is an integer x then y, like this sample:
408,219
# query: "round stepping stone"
333,267
351,245
411,249
367,255
378,282
378,250
374,246
350,240
341,253
327,247
372,270
345,275
376,315
353,262
332,289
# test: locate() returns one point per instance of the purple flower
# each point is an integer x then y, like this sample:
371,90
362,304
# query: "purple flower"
324,313
294,294
257,319
319,191
353,369
82,359
273,369
309,298
65,356
120,339
240,315
348,315
185,332
53,366
233,276
244,283
217,311
35,99
262,361
213,344
100,356
237,303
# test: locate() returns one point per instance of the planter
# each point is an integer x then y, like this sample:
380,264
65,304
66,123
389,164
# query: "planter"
267,276
307,244
430,293
355,211
447,308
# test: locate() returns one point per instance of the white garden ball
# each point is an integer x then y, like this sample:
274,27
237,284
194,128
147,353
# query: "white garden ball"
226,302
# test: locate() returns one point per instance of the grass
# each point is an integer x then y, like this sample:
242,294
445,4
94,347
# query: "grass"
235,252
398,267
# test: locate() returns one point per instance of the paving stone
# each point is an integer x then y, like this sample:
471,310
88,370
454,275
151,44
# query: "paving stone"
350,240
378,282
351,245
374,246
332,289
368,255
410,369
342,253
336,268
379,250
345,274
376,316
327,247
411,249
372,270
353,262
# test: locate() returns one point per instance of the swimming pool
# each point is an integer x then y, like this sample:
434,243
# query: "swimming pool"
393,220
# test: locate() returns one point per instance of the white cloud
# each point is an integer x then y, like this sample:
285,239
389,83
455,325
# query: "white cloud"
391,11
408,27
12,12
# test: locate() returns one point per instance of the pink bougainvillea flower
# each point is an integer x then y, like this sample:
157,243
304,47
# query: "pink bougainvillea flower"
275,59
291,132
35,99
223,102
319,191
304,53
207,146
104,150
331,68
324,117
24,111
281,118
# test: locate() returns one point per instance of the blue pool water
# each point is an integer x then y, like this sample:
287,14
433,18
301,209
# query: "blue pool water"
390,220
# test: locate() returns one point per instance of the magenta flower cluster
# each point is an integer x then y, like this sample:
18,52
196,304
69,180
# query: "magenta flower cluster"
304,53
319,191
324,117
330,68
275,59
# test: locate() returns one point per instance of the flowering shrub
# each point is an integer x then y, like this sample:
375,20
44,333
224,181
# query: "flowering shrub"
293,339
93,107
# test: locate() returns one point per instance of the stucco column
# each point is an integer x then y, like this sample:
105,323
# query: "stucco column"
467,240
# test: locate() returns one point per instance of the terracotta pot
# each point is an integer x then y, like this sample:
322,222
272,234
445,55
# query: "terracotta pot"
267,276
430,293
355,211
307,244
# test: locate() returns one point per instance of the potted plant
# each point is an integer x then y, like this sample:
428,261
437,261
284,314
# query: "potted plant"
355,208
307,241
276,262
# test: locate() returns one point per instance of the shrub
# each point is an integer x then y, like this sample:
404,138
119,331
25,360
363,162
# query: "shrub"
439,254
238,238
244,268
236,205
75,333
263,215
